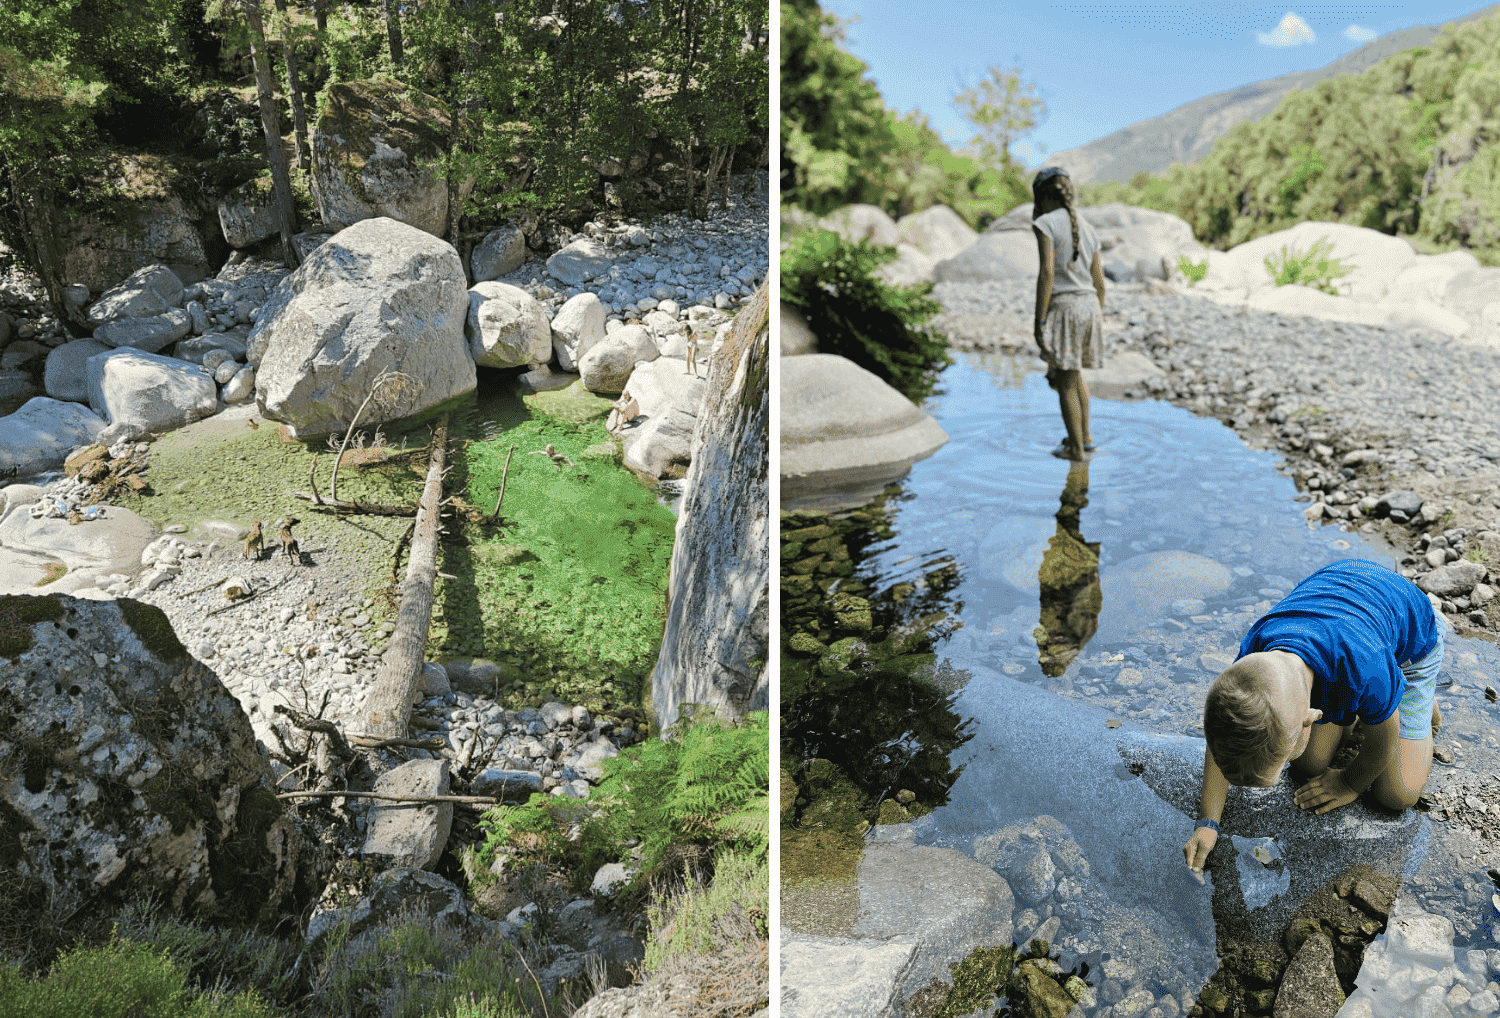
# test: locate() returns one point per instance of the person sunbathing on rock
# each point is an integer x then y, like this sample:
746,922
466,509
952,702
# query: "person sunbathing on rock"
1352,641
1069,329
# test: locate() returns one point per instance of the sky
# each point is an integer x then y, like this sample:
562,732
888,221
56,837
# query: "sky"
1102,66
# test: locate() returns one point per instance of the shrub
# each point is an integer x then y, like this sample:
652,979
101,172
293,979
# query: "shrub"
1194,271
728,913
1314,268
854,314
212,956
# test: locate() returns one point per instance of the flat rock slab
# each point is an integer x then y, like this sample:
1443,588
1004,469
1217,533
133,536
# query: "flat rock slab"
411,834
1123,372
837,977
28,547
1312,849
845,432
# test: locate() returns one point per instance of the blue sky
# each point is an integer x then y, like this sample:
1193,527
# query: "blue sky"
1102,66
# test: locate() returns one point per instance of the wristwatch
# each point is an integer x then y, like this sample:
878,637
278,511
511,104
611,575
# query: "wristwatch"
1205,822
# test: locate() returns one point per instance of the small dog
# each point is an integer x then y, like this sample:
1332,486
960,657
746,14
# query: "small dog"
253,542
289,542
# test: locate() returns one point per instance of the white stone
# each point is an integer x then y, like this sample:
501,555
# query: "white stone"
149,391
862,222
936,231
579,261
608,365
576,328
502,250
240,387
506,326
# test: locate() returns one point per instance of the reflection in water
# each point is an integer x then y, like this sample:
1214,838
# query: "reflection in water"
857,655
1069,581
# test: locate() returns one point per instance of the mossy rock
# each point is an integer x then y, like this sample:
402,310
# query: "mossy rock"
19,613
575,404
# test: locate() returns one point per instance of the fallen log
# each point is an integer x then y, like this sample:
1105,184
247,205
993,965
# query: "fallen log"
388,711
346,794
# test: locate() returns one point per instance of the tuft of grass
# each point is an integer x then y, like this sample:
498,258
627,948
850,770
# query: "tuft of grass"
1313,268
1477,554
1194,271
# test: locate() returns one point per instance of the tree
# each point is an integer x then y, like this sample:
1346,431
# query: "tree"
1002,108
293,85
270,120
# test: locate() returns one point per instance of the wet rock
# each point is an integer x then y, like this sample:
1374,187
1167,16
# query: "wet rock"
1141,589
836,977
1310,987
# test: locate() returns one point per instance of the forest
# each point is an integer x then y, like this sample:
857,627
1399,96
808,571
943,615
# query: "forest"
559,108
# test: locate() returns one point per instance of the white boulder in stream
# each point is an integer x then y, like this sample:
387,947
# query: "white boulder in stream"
507,327
667,398
715,648
38,436
378,296
844,432
149,391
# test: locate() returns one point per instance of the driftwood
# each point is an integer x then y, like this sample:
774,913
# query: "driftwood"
308,723
393,798
388,711
503,475
366,742
343,507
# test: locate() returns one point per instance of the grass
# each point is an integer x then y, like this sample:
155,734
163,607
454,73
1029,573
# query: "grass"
1478,554
1313,268
1194,271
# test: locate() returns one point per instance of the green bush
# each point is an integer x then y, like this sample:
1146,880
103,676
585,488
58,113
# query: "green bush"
854,314
1194,271
1313,268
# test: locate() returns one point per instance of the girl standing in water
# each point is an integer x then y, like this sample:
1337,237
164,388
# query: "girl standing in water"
1069,327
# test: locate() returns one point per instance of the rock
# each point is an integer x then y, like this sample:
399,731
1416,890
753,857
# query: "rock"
590,762
912,267
862,222
306,243
410,834
838,977
1006,255
510,785
372,147
403,895
27,544
667,401
579,261
1310,987
796,337
576,328
937,231
100,253
152,784
64,375
149,334
1455,579
1144,587
379,296
608,365
147,390
1402,501
506,327
151,290
247,215
844,432
502,250
234,343
16,387
1376,259
1423,314
544,379
1304,300
1125,371
40,434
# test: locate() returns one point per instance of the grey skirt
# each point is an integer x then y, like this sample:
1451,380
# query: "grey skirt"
1073,334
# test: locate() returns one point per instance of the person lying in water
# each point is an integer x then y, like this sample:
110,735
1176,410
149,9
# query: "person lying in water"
1353,640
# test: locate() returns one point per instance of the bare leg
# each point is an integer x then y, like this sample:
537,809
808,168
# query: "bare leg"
1400,785
1321,747
1067,401
1082,392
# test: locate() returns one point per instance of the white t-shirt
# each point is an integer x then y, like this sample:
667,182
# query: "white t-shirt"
1069,276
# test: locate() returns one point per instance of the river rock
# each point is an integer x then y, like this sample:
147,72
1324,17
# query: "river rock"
506,326
16,387
937,231
1125,371
667,399
101,252
608,365
1143,588
796,337
502,250
241,385
372,146
993,256
247,215
406,894
1455,579
149,334
912,267
150,290
580,261
1405,503
28,545
64,375
233,342
841,977
380,296
844,431
1305,300
715,648
576,328
39,436
148,391
1310,987
150,784
862,222
1376,259
410,833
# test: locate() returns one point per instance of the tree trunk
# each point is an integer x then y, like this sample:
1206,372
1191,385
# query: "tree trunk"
389,708
393,32
294,91
270,123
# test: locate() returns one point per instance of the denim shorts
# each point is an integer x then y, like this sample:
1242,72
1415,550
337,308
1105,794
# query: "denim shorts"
1421,687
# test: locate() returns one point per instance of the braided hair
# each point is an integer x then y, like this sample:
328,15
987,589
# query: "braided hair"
1053,182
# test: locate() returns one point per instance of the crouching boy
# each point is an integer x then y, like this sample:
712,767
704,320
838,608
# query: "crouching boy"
1353,640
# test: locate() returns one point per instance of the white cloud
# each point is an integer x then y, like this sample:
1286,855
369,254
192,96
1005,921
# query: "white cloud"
1359,34
1292,31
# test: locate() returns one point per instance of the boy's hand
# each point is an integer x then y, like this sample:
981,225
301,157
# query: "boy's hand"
1199,845
1325,792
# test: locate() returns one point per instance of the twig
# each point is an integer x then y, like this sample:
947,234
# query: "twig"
251,596
199,590
312,473
365,742
401,546
546,1011
393,798
503,474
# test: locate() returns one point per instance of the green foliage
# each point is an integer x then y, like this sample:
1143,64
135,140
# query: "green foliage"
1194,271
858,316
725,914
1002,109
1313,268
1478,554
707,783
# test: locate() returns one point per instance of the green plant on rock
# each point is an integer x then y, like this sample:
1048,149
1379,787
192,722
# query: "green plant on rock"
1478,554
1313,268
1194,271
854,314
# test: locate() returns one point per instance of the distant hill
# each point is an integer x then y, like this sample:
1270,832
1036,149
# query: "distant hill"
1188,133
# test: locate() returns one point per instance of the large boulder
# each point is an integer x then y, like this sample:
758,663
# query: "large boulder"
715,648
148,334
667,398
39,436
370,146
937,231
502,250
166,231
1376,260
405,894
608,365
912,266
579,261
844,432
379,296
796,337
128,771
576,328
149,290
862,222
149,391
247,215
1428,276
1128,236
1007,255
506,326
64,375
34,550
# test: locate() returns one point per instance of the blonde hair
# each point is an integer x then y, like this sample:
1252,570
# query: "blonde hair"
1244,733
1054,183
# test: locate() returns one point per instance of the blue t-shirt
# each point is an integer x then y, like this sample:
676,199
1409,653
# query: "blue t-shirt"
1354,623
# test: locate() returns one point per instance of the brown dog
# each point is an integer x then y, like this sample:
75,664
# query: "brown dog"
289,542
